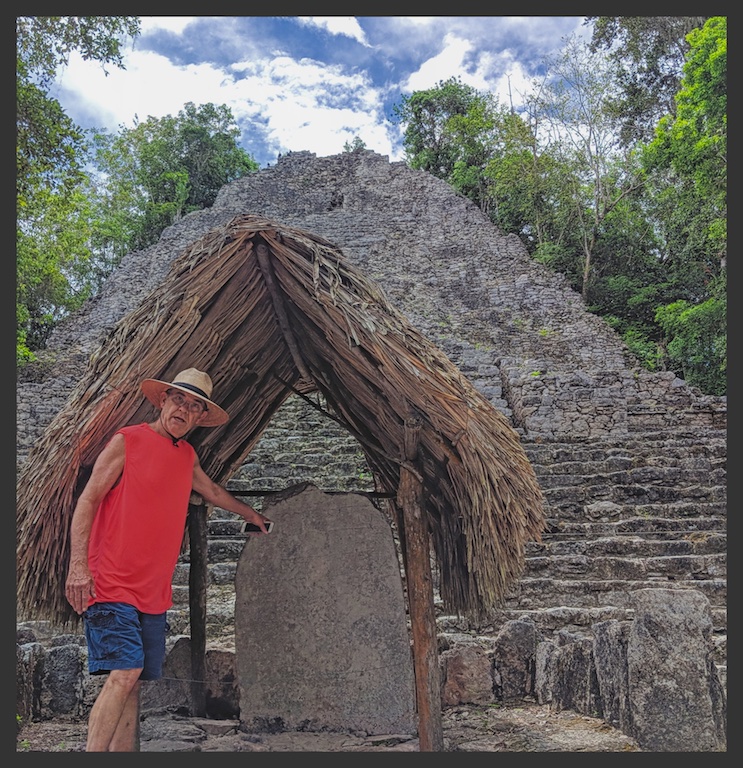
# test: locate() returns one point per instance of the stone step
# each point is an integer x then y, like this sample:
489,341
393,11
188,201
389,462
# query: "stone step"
608,519
641,520
572,500
648,527
180,594
222,549
667,465
570,566
548,620
532,592
219,574
633,545
711,443
609,557
220,527
220,612
643,415
568,569
698,555
552,620
669,567
678,477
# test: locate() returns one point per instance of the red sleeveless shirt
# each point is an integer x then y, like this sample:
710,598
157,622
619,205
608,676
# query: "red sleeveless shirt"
138,530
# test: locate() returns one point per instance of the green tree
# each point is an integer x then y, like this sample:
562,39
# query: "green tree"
149,176
697,344
458,134
470,133
687,164
579,131
429,142
52,258
357,145
52,244
50,149
647,55
693,143
528,190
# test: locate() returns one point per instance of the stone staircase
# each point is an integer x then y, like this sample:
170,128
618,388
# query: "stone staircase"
648,511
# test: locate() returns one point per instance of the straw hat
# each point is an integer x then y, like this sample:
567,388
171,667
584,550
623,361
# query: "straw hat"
194,382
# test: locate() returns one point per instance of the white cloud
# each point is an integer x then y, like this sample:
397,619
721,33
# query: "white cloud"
486,70
503,76
298,105
306,103
150,86
170,23
440,67
308,106
337,25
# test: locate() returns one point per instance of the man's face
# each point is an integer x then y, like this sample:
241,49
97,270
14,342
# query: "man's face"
180,411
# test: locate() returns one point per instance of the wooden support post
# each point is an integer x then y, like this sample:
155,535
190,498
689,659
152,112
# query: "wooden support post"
197,573
420,599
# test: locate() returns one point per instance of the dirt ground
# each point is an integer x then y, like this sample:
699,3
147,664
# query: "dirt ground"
524,728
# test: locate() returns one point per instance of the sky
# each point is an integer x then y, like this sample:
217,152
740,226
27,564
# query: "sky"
313,83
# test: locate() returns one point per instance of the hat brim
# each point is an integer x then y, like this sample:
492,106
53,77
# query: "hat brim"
153,388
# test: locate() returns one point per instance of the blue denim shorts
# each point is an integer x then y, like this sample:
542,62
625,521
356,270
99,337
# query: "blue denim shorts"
121,637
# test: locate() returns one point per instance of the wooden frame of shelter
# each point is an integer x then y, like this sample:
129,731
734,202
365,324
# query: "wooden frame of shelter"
269,311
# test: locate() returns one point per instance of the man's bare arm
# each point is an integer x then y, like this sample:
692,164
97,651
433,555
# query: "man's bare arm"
219,496
106,471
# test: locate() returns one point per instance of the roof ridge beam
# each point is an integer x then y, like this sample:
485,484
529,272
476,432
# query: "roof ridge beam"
278,305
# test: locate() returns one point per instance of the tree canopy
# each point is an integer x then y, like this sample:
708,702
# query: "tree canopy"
647,55
613,173
86,198
51,243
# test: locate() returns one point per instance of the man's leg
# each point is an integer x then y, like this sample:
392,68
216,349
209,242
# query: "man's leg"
113,725
126,738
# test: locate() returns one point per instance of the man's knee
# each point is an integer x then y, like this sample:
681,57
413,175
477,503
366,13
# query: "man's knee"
125,678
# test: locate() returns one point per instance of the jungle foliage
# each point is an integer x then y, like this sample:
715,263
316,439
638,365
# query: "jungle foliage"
86,198
614,174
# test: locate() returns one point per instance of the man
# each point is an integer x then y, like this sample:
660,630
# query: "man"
125,539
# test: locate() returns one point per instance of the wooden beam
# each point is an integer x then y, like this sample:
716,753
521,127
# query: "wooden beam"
373,447
197,575
260,492
420,598
264,264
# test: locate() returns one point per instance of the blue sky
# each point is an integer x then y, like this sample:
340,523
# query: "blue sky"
309,82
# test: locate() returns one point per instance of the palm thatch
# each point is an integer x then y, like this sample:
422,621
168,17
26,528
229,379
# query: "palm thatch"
269,311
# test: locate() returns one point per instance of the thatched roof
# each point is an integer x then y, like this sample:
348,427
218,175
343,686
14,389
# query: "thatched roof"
270,311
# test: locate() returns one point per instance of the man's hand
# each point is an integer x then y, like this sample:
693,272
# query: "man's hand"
79,588
256,523
256,527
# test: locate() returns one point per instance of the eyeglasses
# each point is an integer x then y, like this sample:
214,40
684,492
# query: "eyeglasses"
192,406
